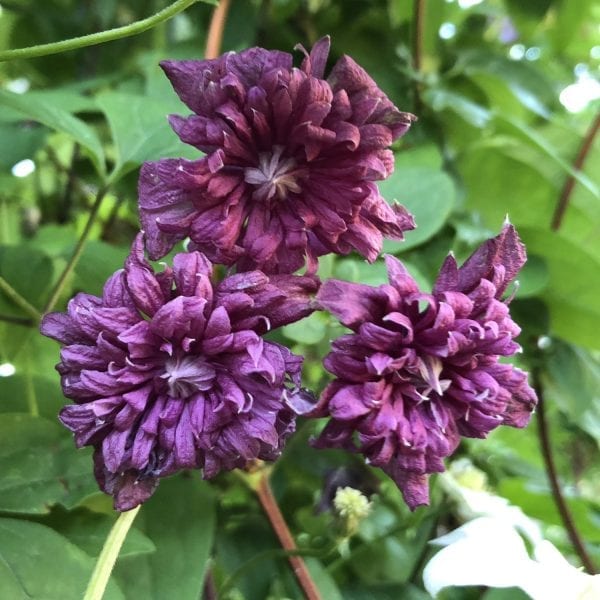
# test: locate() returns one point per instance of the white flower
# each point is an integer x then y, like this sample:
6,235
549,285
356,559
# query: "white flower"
467,486
488,550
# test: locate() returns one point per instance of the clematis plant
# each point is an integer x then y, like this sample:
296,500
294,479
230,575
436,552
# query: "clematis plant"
177,369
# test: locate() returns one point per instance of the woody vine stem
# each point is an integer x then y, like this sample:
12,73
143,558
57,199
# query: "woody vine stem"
543,427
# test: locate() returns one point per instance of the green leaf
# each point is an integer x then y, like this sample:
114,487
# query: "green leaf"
68,100
441,99
39,466
533,277
526,82
425,155
36,563
323,580
89,531
572,380
31,107
309,331
498,183
179,520
13,394
537,141
506,594
538,503
388,559
55,240
375,274
573,289
140,130
28,271
384,592
18,142
98,262
428,194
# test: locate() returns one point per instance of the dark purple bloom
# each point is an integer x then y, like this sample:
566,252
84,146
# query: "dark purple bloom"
420,370
169,371
291,161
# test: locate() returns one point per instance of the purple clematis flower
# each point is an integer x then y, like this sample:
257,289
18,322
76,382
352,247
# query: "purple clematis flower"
169,371
291,161
420,370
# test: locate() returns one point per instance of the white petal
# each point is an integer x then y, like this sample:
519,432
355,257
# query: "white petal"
592,589
555,577
476,503
482,552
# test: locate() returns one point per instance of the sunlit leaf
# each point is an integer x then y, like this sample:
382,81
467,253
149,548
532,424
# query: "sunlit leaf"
39,466
179,520
36,563
51,115
140,130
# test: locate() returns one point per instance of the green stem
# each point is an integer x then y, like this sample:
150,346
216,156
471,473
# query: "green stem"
62,280
17,299
109,554
24,321
98,38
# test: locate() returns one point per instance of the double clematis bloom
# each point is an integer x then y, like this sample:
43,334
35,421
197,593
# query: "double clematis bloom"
291,161
169,371
420,370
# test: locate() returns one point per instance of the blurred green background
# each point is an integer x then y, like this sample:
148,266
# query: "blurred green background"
506,93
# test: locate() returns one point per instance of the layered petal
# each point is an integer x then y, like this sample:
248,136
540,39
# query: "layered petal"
420,370
291,161
169,370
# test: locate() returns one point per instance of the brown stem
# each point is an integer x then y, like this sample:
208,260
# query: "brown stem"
271,508
417,50
209,591
215,31
561,505
565,195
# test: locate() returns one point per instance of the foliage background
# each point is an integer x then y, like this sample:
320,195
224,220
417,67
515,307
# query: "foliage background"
492,139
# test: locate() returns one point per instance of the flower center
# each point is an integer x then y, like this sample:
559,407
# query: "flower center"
273,176
430,369
187,375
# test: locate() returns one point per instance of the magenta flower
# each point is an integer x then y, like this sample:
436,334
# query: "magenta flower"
420,370
291,161
169,371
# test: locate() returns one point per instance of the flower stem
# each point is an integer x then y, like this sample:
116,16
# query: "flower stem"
215,31
565,196
60,284
24,321
561,504
17,299
269,504
100,37
108,556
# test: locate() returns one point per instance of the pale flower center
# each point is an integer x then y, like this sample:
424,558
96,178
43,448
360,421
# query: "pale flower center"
187,375
273,176
430,369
